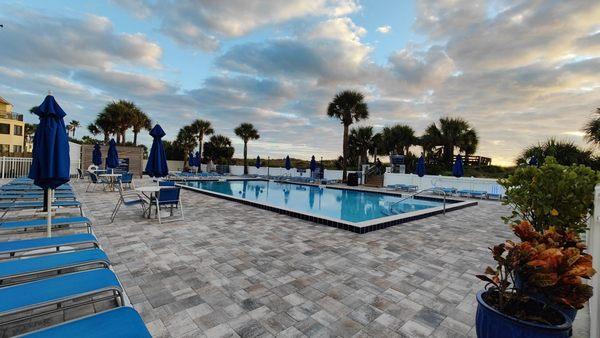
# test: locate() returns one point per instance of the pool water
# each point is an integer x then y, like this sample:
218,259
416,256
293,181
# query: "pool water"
345,204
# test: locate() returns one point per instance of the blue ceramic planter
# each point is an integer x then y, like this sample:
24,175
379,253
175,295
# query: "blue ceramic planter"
490,323
569,312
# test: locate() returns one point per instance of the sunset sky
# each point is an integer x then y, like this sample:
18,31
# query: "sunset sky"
519,71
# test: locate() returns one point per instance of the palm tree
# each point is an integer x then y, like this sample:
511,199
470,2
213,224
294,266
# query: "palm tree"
93,129
202,128
219,149
397,139
139,121
121,114
592,129
29,130
186,140
246,132
73,126
104,124
348,106
565,153
451,134
361,142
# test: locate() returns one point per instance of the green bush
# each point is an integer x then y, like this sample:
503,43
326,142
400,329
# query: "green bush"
551,195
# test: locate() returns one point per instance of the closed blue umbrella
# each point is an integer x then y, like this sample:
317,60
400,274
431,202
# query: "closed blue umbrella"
257,162
533,161
288,163
457,168
197,160
112,158
50,166
313,164
97,155
157,159
421,166
191,160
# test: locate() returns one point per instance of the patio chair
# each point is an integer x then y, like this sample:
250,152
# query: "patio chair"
84,287
128,198
127,179
118,322
167,197
79,173
94,181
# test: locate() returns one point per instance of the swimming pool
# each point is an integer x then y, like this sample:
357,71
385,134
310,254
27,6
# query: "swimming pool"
350,209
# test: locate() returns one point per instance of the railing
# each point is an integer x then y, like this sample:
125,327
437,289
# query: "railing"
13,167
418,193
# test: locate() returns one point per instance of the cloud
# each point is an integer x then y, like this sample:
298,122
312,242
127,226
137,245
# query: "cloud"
384,29
202,24
33,38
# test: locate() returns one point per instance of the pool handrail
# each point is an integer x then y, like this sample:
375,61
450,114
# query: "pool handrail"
417,193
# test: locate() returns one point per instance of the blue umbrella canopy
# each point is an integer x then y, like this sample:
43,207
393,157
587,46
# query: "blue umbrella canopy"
51,164
191,160
421,166
313,164
197,159
112,158
533,160
457,168
157,159
257,162
288,163
97,155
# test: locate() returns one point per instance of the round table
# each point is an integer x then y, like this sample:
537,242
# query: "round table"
111,180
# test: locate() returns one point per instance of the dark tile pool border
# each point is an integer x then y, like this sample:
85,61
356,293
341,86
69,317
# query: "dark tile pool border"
359,228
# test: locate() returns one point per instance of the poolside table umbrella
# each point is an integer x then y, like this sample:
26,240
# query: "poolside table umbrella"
112,158
97,155
157,159
257,162
197,160
313,166
50,166
421,166
288,163
191,160
457,168
533,161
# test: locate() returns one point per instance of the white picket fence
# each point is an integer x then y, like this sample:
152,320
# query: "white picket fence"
13,167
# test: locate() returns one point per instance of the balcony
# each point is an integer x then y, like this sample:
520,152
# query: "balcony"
12,116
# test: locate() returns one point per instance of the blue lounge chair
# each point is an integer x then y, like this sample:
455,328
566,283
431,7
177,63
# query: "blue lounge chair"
42,223
12,247
14,196
472,193
31,187
56,290
11,206
29,267
444,190
496,193
120,322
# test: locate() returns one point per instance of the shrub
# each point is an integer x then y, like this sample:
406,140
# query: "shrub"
552,263
553,194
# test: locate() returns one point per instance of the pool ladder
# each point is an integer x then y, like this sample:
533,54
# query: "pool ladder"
418,193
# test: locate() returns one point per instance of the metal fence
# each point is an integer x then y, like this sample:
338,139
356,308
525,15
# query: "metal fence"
13,167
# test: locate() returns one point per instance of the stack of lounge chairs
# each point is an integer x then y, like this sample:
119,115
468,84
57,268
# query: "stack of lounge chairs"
41,276
183,176
402,187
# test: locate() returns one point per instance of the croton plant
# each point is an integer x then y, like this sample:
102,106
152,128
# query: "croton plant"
552,262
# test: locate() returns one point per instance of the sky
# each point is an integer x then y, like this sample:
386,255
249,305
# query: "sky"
518,71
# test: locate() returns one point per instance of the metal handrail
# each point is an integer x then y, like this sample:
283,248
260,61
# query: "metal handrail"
418,193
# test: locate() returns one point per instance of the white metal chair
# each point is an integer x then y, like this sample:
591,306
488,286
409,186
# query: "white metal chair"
128,198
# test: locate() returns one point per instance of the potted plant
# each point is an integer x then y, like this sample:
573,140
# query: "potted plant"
544,269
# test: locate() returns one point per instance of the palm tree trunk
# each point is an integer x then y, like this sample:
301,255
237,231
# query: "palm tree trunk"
345,153
200,149
246,158
123,137
106,137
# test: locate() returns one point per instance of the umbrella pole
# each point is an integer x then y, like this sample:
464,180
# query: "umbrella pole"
49,217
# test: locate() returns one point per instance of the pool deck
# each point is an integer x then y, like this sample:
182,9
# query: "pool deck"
232,270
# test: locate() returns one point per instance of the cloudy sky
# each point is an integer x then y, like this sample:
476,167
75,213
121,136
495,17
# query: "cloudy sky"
518,71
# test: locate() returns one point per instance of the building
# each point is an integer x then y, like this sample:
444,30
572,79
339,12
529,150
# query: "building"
12,129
